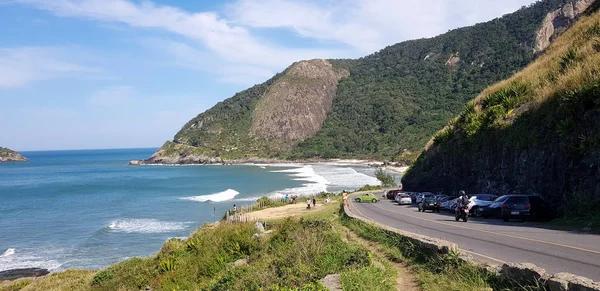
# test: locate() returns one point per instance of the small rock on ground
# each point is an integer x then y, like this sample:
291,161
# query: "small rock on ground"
333,282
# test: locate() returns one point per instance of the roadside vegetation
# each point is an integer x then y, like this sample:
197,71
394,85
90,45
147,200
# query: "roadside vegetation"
433,271
522,133
294,254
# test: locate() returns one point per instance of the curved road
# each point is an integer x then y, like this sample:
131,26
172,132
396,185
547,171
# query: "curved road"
495,241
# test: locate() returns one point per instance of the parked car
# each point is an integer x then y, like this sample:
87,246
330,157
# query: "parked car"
366,198
429,204
518,206
403,199
450,204
423,196
478,201
392,194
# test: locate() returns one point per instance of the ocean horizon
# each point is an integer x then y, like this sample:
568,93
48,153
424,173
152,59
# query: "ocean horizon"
88,208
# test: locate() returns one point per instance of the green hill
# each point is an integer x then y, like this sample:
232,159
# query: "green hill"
384,106
536,132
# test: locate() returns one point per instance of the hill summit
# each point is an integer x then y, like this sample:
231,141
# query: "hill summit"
383,106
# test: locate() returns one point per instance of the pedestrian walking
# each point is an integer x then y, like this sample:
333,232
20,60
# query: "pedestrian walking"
308,204
234,208
314,202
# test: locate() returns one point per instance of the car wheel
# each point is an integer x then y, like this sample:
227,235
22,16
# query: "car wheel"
533,216
374,200
477,212
486,217
505,218
357,199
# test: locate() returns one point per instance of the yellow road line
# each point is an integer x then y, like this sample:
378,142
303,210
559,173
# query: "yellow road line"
498,234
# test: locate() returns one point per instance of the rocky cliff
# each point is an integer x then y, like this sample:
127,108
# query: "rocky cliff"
384,106
557,21
535,133
7,155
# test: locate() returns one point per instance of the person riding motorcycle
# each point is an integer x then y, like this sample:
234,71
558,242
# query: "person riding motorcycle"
463,201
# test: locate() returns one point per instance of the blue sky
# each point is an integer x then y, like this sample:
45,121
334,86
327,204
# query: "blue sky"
87,74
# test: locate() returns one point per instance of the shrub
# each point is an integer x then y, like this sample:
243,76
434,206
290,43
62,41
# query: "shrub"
167,265
369,188
386,179
102,276
568,59
444,136
594,31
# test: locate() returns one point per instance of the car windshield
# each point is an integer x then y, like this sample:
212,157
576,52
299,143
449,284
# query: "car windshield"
501,198
518,200
430,200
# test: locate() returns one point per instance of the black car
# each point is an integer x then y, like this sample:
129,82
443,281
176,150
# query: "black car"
429,204
392,194
527,207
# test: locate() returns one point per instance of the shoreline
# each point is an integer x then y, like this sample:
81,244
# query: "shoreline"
390,166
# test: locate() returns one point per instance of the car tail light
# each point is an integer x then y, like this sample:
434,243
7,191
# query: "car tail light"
503,205
528,206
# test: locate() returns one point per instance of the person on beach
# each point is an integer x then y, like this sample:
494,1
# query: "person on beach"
234,208
287,198
314,202
308,204
345,197
327,199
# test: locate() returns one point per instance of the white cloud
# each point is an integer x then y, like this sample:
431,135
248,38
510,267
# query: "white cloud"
368,25
229,46
21,66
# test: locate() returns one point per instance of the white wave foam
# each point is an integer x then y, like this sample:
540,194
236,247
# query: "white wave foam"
324,178
228,194
13,259
248,199
317,183
340,178
145,226
8,252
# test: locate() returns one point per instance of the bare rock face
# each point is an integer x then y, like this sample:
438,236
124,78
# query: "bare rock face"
296,105
7,155
558,21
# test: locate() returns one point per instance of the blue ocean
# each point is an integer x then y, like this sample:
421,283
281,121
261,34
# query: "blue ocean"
89,209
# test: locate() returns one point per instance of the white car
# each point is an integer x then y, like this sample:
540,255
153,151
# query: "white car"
403,199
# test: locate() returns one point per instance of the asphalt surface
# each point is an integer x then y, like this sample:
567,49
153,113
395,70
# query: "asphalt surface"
493,240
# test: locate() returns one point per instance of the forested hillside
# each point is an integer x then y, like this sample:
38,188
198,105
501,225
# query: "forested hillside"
535,133
383,106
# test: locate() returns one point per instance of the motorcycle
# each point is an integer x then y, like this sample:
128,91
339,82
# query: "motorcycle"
462,213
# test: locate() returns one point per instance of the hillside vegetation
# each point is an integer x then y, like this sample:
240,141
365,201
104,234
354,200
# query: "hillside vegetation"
384,106
536,132
8,155
294,254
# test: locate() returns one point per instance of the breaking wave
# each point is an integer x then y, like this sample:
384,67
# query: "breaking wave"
228,194
145,226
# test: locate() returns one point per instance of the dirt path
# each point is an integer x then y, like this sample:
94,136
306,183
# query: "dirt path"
285,211
405,281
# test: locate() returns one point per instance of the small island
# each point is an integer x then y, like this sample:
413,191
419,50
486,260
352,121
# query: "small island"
8,155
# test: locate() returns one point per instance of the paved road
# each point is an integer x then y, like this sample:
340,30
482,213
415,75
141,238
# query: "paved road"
495,241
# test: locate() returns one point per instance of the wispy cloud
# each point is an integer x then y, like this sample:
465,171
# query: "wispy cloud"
368,25
21,66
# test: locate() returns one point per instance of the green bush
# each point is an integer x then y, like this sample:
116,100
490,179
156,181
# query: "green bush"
369,188
102,276
386,179
568,59
167,265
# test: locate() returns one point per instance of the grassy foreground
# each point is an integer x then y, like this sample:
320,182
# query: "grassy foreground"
295,255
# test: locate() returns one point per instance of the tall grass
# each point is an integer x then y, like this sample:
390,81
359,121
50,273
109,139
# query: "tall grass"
570,63
435,271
